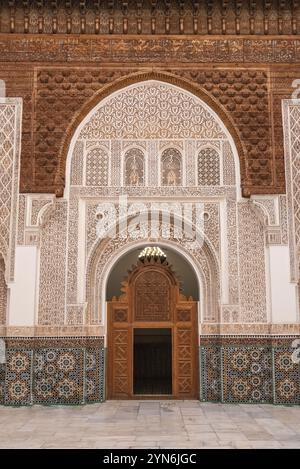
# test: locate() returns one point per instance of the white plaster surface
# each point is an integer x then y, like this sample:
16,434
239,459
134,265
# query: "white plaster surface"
283,292
22,291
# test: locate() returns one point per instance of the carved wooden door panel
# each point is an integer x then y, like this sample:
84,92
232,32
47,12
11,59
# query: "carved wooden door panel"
120,352
152,297
185,351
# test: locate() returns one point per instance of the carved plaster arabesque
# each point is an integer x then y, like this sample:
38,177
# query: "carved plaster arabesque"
107,250
10,138
291,128
95,256
152,155
170,80
33,212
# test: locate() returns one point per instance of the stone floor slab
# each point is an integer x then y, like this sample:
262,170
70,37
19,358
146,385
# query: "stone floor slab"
151,424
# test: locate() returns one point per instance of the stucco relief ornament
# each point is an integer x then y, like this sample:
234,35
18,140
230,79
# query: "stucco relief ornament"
2,351
134,178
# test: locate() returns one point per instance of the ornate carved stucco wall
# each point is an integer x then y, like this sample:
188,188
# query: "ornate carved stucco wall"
150,125
10,136
3,293
291,120
199,164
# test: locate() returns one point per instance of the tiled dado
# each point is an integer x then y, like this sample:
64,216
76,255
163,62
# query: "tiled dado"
53,371
249,370
71,370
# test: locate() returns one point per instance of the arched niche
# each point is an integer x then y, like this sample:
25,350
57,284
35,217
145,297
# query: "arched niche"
105,253
151,110
180,265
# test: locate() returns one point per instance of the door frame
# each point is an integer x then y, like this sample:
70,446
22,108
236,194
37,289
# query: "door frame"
121,322
129,327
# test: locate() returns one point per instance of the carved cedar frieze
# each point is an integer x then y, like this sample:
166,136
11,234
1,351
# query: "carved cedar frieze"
160,17
54,96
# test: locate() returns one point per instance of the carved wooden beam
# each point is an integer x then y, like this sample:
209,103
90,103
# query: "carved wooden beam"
181,16
111,16
223,16
252,11
69,16
97,16
294,7
139,8
12,20
40,5
153,16
136,13
26,16
281,6
82,9
267,6
195,16
125,16
54,16
167,16
209,9
238,8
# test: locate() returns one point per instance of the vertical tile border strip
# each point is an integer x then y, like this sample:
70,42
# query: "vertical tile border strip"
273,376
200,373
102,364
2,383
31,377
222,373
84,376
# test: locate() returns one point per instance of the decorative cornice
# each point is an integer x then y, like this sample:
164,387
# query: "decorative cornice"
150,17
52,331
144,49
205,330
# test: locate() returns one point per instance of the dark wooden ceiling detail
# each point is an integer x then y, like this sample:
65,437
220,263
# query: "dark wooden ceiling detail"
261,17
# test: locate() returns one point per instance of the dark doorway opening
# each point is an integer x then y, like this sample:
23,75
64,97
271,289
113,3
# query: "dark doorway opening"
152,362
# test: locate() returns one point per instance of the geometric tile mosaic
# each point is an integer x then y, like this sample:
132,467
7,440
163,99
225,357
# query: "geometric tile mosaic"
18,380
53,371
244,370
71,371
247,374
58,376
94,375
210,375
286,377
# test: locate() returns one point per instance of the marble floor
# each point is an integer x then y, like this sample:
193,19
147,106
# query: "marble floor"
151,424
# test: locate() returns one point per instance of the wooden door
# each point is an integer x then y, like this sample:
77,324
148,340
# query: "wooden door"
119,351
185,350
152,299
